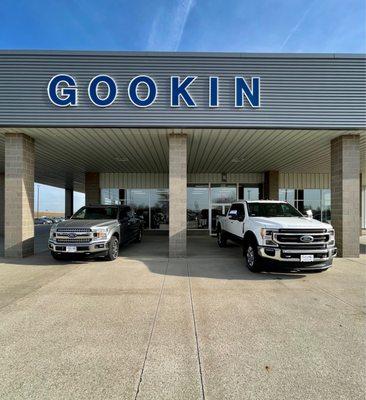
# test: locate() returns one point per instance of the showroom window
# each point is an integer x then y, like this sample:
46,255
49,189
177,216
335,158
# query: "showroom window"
197,206
316,200
150,204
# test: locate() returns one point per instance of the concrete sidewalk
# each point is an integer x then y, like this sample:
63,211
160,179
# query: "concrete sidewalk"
148,327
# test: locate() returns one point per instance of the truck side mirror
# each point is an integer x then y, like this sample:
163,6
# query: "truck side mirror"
309,214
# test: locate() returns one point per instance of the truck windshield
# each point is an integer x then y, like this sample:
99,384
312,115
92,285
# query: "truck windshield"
270,210
96,213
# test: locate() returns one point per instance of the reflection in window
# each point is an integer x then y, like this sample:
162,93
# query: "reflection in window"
151,204
316,200
159,208
248,192
221,193
197,207
138,199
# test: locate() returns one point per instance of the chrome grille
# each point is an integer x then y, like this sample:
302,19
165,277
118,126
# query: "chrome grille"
73,240
302,238
74,230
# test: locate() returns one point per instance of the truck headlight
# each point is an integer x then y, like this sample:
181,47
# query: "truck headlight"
267,236
53,230
100,233
331,234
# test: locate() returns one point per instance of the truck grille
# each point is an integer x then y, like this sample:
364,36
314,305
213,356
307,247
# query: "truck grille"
302,238
73,240
67,230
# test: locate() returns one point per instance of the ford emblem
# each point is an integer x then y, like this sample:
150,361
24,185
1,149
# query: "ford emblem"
72,235
306,239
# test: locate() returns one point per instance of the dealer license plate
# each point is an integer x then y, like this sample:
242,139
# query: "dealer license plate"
71,249
306,257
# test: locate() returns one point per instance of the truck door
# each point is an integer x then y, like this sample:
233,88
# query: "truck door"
125,225
236,220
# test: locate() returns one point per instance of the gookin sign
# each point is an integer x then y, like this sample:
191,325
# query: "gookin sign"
63,91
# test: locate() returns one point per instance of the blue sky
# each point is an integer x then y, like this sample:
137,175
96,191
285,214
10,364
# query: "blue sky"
323,26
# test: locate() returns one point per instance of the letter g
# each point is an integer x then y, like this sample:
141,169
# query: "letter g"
66,96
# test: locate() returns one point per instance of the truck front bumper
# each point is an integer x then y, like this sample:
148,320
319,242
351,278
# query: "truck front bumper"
294,255
87,248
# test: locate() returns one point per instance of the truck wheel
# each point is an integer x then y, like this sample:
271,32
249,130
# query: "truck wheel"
253,260
139,236
57,256
221,239
113,249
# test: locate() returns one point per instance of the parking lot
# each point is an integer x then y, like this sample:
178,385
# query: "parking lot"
148,327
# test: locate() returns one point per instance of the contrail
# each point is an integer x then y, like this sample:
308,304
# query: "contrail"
296,27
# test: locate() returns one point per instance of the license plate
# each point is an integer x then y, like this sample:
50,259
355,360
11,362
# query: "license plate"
306,257
71,249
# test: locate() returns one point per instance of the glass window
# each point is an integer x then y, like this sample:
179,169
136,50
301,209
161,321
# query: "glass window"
326,214
96,213
222,193
197,207
109,196
270,210
159,208
287,195
138,199
312,201
248,192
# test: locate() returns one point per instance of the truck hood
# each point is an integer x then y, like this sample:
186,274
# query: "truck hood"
87,223
290,223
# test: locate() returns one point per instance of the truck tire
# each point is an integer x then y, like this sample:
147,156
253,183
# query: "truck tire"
113,249
252,258
139,236
221,238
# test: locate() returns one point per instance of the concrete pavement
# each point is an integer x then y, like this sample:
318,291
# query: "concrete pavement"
148,327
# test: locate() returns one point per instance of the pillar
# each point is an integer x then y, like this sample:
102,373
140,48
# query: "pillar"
345,192
177,195
69,202
92,190
271,185
19,195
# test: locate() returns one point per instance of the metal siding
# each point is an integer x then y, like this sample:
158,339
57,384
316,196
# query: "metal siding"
304,181
156,181
298,91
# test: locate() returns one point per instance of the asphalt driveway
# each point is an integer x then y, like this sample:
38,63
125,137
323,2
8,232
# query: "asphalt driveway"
148,327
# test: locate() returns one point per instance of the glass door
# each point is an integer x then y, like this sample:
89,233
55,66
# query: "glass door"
221,197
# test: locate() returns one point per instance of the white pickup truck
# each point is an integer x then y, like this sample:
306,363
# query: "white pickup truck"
276,232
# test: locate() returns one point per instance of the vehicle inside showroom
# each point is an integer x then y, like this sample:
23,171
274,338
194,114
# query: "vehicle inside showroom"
179,137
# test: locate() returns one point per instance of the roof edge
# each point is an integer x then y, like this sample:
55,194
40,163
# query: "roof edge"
181,54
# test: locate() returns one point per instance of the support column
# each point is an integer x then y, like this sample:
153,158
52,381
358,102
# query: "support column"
271,185
92,190
177,195
345,191
2,204
19,195
69,202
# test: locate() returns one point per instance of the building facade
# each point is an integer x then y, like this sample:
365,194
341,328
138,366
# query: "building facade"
179,136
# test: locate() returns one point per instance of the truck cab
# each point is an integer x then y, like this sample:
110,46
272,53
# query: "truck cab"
276,232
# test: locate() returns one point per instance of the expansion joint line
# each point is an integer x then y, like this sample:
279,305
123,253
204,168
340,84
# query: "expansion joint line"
152,330
195,332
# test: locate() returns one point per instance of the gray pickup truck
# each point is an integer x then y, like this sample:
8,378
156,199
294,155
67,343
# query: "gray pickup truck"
95,231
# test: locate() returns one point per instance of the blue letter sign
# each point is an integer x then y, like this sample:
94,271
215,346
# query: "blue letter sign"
93,90
242,88
178,90
152,91
67,96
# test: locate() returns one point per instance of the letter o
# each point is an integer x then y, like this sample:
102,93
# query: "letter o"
93,90
151,94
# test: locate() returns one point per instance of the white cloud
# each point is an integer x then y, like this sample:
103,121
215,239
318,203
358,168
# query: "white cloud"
168,26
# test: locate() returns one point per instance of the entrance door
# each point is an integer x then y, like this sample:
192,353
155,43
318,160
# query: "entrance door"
215,211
